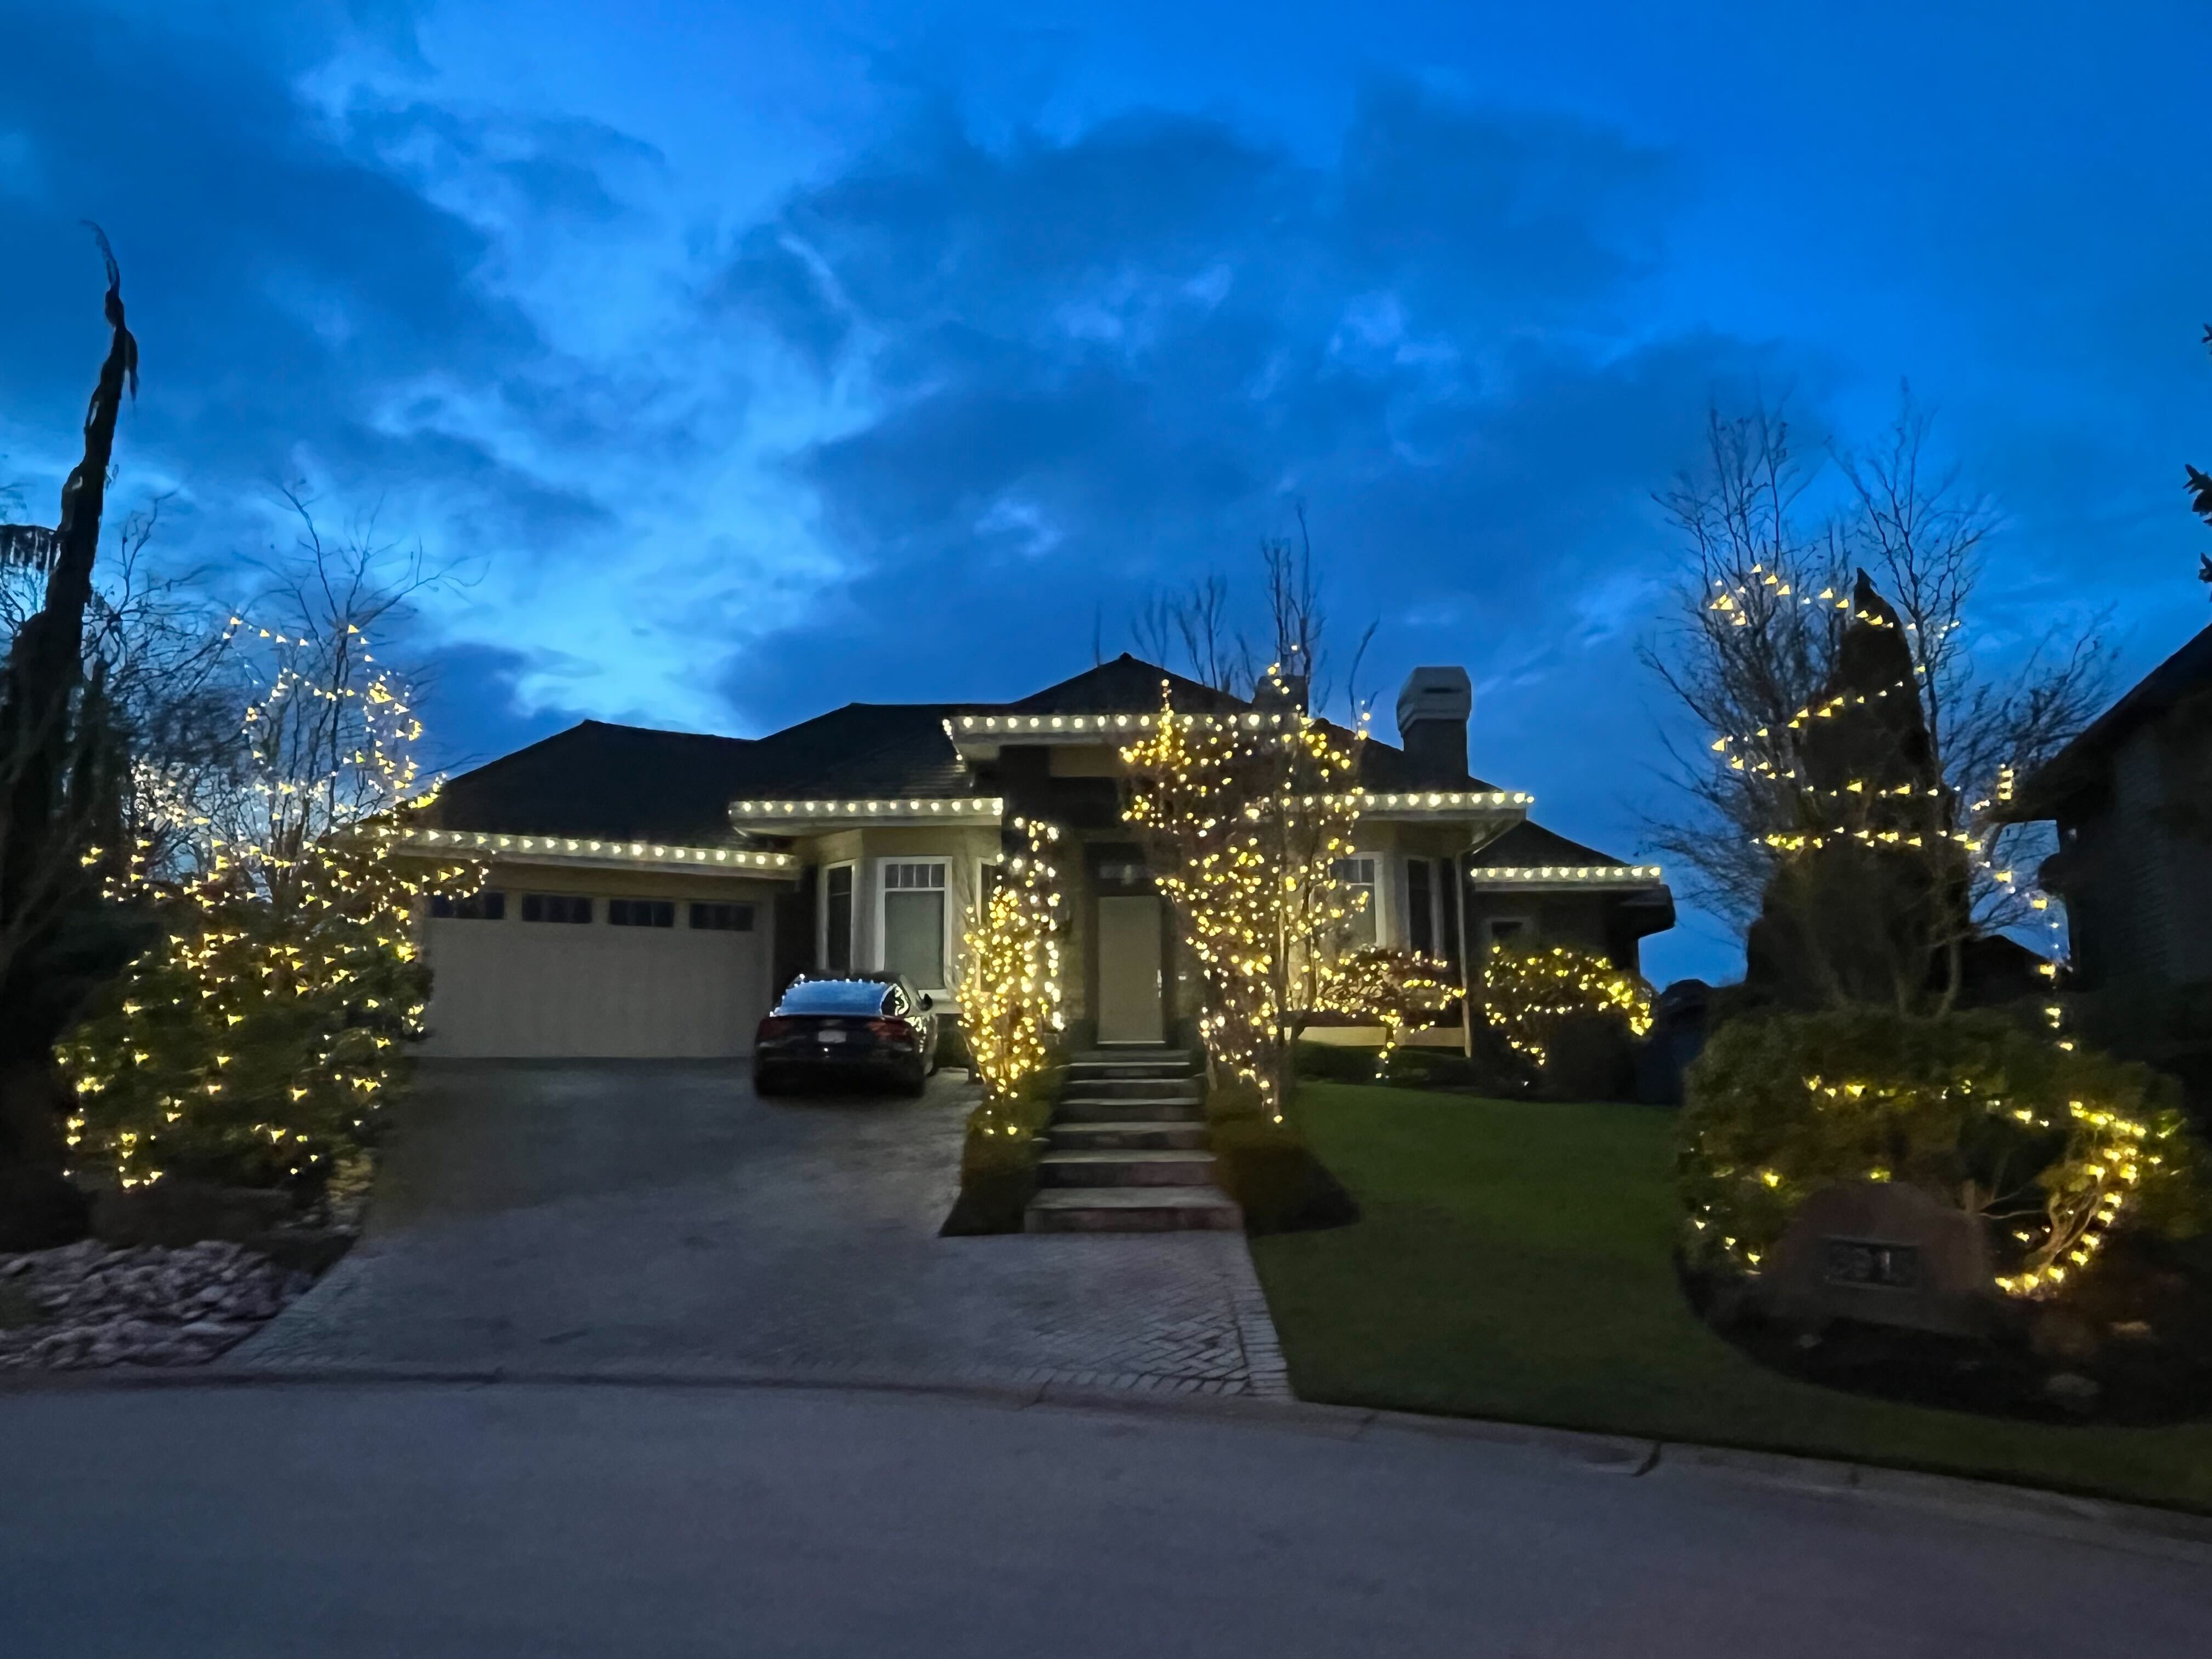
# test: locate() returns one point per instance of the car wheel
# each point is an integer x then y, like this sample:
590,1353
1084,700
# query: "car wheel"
916,1086
767,1083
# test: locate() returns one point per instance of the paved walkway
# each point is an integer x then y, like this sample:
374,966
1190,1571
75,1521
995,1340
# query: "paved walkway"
573,1217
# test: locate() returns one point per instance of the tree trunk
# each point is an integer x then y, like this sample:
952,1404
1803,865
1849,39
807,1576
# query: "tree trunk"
41,738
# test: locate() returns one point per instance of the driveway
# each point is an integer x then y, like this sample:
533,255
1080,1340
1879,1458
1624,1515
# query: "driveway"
572,1217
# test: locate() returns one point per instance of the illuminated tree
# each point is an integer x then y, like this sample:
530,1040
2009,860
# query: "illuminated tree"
257,1040
1530,996
1010,991
1390,987
1245,817
1773,649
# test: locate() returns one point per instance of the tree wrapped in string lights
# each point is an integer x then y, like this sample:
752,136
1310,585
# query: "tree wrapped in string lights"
1245,817
1010,988
256,1043
1531,996
1391,988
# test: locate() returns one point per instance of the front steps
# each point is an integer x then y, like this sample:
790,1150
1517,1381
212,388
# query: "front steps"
1126,1151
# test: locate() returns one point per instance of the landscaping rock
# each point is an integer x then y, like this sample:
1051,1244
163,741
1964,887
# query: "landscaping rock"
91,1305
1885,1254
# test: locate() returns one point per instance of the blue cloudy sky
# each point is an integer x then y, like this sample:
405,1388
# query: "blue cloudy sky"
750,358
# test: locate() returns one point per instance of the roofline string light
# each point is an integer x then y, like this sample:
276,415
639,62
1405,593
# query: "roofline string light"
625,852
992,807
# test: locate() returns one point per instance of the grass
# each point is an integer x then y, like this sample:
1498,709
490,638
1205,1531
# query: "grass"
1513,1259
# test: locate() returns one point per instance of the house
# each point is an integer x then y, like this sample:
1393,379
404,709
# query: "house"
2131,797
650,892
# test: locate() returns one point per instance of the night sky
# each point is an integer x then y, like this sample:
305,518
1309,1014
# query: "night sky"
744,360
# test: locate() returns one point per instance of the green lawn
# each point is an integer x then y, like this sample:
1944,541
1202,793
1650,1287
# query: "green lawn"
1513,1261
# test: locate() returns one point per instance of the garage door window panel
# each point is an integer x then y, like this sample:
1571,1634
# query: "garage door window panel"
641,912
722,918
572,908
916,910
477,907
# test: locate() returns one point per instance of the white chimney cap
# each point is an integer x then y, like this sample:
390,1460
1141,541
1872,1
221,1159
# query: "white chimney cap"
1436,693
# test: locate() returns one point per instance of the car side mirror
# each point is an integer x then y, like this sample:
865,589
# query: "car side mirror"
928,1001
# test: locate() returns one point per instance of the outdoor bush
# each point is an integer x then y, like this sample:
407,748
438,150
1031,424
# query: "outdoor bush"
2057,1147
1265,1164
999,1157
1336,1062
1569,1013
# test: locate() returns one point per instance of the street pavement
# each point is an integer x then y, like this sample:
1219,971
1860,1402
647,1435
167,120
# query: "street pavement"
576,1216
538,1519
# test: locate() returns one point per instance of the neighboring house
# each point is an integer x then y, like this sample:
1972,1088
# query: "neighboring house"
650,892
2132,800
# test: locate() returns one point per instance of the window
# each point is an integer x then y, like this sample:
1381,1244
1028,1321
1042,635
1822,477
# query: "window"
723,918
913,921
837,918
556,907
477,907
836,996
1421,906
1358,875
1505,930
641,912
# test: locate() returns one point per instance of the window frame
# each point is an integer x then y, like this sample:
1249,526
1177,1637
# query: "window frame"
1376,885
1522,927
951,922
655,926
852,919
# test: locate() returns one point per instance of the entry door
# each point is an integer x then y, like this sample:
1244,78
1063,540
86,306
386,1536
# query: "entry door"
1129,969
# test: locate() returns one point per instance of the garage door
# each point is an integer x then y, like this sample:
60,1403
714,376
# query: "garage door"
674,979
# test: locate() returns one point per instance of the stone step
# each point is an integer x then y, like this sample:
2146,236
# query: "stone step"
1136,1054
1127,1167
1078,1073
1131,1210
1142,1088
1150,1132
1129,1111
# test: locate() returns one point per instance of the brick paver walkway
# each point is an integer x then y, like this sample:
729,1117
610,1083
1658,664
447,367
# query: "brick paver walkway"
571,1218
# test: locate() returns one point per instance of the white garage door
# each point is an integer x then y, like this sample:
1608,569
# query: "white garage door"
514,988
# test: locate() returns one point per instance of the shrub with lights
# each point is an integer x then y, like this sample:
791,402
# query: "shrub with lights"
1389,988
2057,1147
1245,817
1010,990
1531,996
256,1041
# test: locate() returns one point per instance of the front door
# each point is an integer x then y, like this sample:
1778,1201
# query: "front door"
1129,969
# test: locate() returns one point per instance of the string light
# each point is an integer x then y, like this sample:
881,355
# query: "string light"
1529,994
1010,988
257,1037
1391,988
1247,818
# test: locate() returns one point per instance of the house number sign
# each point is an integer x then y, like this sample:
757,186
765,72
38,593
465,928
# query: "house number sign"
1866,1261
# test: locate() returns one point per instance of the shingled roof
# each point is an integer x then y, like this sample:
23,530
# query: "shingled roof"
636,782
2081,766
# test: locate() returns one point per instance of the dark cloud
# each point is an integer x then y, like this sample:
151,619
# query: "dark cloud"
296,297
1117,360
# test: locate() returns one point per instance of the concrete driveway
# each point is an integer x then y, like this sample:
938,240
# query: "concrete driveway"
573,1217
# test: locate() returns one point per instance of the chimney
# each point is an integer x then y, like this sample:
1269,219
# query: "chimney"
1432,713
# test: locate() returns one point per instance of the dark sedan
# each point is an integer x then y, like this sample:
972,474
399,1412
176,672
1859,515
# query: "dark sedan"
863,1028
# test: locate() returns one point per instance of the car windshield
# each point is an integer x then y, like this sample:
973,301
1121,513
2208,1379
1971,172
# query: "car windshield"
835,996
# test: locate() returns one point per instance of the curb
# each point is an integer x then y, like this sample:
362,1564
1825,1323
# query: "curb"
2107,1521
